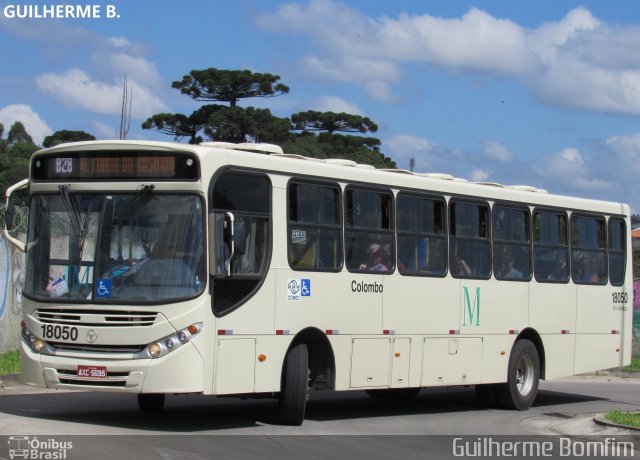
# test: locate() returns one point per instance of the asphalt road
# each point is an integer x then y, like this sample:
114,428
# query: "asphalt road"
191,426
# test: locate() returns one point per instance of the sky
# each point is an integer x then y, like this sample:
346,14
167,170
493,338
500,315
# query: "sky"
543,93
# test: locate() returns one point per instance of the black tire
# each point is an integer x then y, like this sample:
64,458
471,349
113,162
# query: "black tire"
295,386
400,394
151,402
487,394
522,378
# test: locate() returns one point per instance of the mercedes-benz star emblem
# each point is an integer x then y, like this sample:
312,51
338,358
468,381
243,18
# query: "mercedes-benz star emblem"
92,336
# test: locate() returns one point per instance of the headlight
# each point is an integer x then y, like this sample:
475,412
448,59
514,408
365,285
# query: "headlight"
36,344
165,345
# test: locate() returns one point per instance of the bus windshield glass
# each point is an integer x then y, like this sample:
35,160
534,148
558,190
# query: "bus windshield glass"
142,247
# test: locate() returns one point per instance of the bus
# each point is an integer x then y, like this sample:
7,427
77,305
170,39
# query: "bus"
225,269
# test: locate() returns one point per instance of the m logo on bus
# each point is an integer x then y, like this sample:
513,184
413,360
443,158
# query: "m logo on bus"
471,311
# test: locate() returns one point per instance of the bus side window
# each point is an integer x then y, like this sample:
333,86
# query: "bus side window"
550,247
422,247
314,230
369,231
511,244
470,248
617,249
588,254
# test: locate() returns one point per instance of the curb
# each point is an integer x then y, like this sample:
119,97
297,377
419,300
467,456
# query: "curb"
8,379
613,373
600,420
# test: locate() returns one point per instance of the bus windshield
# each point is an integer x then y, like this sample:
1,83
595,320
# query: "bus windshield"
143,247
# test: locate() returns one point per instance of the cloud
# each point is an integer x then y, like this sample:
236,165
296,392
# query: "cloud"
572,173
609,172
103,130
626,150
76,88
95,81
479,175
336,104
559,61
374,76
404,147
35,126
48,32
496,151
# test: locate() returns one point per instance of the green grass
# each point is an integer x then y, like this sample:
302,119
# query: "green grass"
10,362
634,366
624,418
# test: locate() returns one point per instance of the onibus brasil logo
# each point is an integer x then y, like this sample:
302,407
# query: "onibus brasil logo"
42,449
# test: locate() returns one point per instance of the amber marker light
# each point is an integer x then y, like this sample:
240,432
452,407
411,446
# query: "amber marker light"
397,354
193,329
262,358
502,353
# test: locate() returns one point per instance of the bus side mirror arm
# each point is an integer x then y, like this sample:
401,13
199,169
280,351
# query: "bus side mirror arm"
9,213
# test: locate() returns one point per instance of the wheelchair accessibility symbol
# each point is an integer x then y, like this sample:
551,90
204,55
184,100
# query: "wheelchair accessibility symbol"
298,288
306,288
103,289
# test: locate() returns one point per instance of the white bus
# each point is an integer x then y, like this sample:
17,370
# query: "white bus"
223,269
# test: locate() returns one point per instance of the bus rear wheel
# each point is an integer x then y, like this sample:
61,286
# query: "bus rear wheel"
295,386
150,402
523,377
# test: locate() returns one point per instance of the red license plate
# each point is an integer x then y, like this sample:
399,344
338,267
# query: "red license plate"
92,372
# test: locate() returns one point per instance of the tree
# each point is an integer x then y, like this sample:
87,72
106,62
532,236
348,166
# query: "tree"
18,135
331,122
3,147
181,126
63,136
236,124
327,145
14,161
229,85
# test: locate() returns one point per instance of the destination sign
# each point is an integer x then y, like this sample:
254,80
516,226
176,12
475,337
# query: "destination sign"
116,165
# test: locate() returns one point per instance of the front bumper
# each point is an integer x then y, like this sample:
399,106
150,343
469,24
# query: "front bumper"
178,372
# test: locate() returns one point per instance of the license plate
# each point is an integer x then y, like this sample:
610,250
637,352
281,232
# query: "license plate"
92,372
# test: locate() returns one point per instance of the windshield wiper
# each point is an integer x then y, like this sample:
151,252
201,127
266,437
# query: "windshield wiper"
141,197
79,227
72,210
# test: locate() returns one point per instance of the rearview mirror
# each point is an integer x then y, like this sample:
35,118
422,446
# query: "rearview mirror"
10,213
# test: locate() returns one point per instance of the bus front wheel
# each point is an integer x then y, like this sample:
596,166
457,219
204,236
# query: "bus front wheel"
523,376
295,386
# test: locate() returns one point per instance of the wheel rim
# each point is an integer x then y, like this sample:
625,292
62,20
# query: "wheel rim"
525,374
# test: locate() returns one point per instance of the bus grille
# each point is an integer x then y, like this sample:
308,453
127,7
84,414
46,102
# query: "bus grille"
96,318
79,347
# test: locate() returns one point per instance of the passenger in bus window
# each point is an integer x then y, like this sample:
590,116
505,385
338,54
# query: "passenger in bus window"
585,274
464,269
374,263
559,273
510,271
